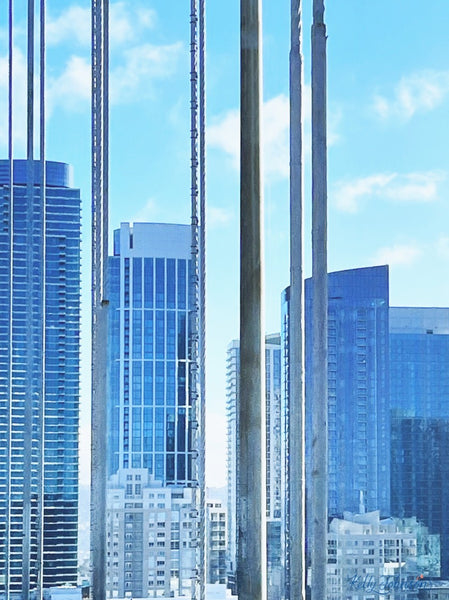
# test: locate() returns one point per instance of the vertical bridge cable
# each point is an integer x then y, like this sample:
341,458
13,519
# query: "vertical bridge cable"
100,138
194,282
30,387
10,297
295,514
202,249
319,308
42,268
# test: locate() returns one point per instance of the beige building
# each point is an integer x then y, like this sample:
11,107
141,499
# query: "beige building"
150,537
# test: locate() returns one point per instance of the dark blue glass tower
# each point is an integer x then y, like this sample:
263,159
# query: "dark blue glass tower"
358,388
148,361
419,389
358,417
39,371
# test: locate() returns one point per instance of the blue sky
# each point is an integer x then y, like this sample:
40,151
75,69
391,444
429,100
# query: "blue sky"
388,101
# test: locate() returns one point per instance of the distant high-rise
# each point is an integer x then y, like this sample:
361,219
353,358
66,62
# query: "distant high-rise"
358,385
419,391
150,411
273,458
39,374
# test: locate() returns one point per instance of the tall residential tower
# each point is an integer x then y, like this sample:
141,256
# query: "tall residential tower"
39,375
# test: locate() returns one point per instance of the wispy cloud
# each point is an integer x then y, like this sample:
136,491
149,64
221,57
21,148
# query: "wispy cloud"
72,88
411,187
218,217
442,247
141,65
148,212
224,133
420,92
73,24
397,255
19,98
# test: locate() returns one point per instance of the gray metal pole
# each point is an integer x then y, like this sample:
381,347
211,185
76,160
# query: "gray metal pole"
319,311
30,385
202,316
296,475
42,267
100,9
251,562
10,299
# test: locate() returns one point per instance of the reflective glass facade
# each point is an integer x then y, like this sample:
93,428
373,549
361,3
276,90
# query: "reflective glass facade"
419,388
39,370
148,351
358,386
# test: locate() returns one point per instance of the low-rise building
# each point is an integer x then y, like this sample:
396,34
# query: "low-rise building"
368,556
150,537
216,542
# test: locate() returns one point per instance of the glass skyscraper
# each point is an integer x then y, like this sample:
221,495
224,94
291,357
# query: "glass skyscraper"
358,417
419,390
39,375
151,422
149,295
358,388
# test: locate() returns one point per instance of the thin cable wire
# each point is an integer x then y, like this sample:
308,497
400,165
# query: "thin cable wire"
202,316
10,296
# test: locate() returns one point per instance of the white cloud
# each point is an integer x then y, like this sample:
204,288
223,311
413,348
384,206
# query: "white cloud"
74,24
442,246
126,23
72,88
147,213
19,98
419,92
411,187
218,217
132,80
224,133
397,255
141,65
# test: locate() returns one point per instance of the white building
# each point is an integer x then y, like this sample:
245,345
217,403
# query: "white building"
273,459
368,556
215,542
150,550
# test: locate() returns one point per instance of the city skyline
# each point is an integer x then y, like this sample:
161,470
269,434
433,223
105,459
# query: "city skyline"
386,160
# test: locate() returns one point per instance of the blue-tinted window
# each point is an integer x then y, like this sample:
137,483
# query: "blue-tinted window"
148,334
160,283
148,383
160,337
137,282
182,284
171,283
148,282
